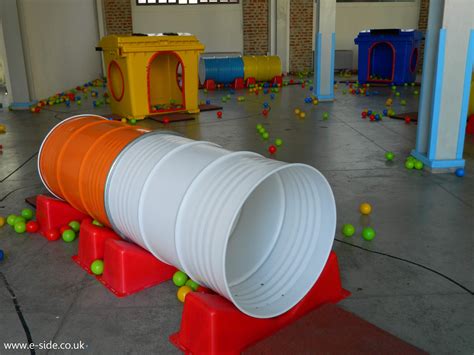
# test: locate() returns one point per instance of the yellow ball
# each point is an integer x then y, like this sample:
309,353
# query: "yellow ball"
365,208
124,120
2,221
315,102
297,111
182,292
302,114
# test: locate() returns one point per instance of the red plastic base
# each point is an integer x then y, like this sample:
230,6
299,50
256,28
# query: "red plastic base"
278,80
210,85
127,267
211,324
250,81
238,84
53,214
470,125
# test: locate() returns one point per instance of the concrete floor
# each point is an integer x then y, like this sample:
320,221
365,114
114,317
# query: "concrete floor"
423,217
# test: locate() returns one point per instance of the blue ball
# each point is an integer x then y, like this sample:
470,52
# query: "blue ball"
369,112
68,103
265,91
208,102
265,104
459,172
265,85
272,96
310,88
385,112
94,103
2,255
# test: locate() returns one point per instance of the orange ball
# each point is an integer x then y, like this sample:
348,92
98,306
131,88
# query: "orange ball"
365,208
182,292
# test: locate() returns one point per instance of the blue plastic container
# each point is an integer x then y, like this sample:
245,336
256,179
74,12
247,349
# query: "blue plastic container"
388,55
223,70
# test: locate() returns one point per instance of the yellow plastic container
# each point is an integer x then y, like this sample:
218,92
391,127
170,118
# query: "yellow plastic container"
262,68
152,74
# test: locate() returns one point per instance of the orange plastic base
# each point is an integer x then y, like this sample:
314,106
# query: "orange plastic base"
211,324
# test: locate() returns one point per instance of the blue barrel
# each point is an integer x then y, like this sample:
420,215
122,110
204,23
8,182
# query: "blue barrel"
223,70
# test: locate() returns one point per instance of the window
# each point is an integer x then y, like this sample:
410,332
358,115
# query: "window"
185,2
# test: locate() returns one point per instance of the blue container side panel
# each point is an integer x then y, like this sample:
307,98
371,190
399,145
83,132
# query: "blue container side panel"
224,70
378,46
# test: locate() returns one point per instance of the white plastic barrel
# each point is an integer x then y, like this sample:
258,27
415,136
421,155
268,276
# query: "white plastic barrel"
255,230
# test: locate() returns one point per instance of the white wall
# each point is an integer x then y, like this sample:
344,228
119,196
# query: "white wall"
218,27
351,18
59,39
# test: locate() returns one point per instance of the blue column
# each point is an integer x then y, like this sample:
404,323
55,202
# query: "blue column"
325,47
445,85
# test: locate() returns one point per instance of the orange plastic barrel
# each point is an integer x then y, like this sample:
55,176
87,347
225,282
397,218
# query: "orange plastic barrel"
76,156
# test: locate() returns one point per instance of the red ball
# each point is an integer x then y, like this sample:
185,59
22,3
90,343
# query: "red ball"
302,85
265,112
63,228
52,234
272,149
407,120
166,120
219,114
32,227
372,117
364,114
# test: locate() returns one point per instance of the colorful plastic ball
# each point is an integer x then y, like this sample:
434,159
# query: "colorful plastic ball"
166,120
11,219
2,255
52,234
403,102
302,114
193,284
259,127
409,164
272,149
183,292
364,114
416,92
459,172
407,120
97,223
325,116
365,208
208,102
124,120
411,158
272,96
397,94
372,117
385,112
262,130
219,114
180,278
2,221
369,112
297,111
418,165
368,233
278,142
389,156
20,227
265,135
32,227
315,102
19,219
348,230
69,235
97,267
27,213
75,226
265,112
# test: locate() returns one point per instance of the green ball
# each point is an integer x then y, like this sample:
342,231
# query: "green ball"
416,92
348,230
180,278
19,219
69,235
278,142
389,156
262,130
20,227
27,214
397,94
97,223
133,121
259,127
11,219
409,164
403,102
368,233
406,84
325,115
193,284
97,267
394,87
75,225
418,165
265,135
411,158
